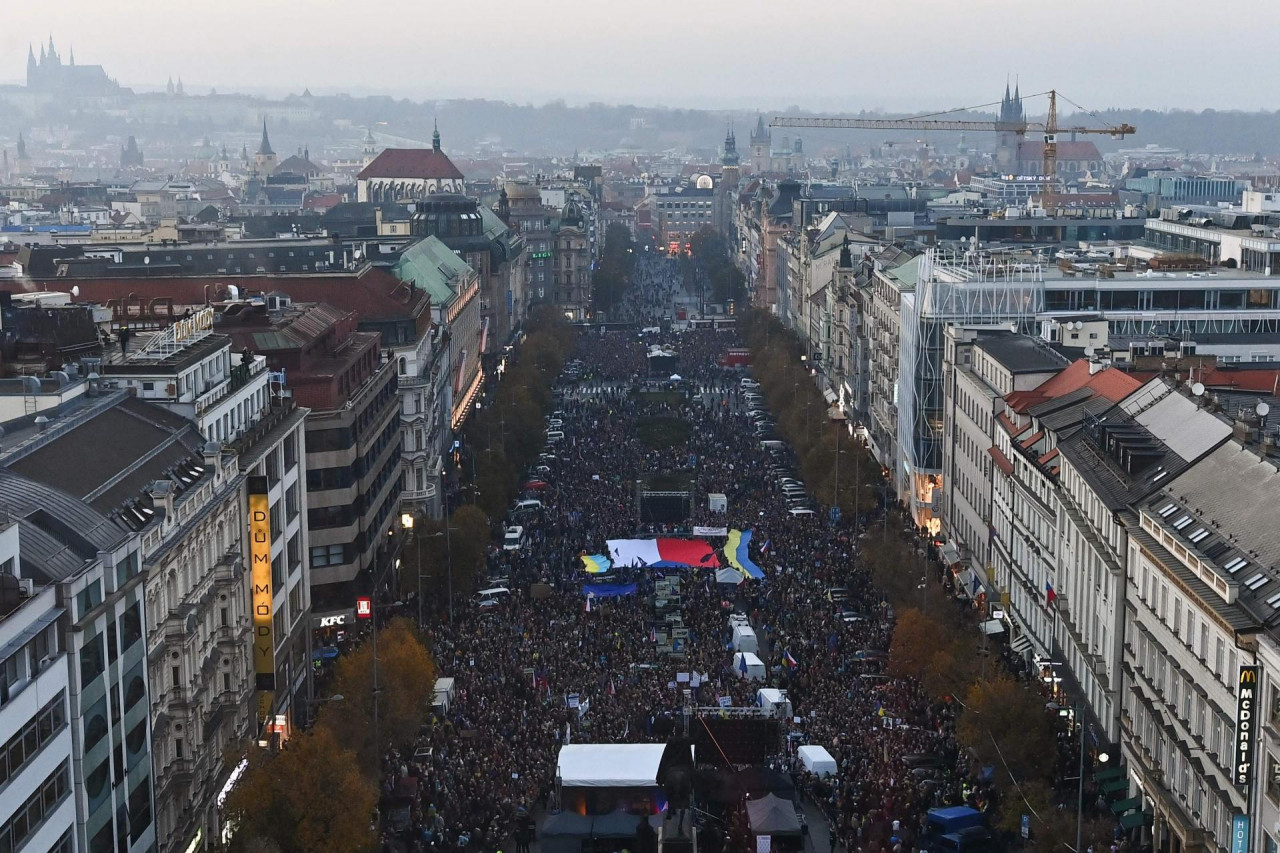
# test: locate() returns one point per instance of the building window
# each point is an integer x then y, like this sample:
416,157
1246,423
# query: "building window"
30,815
25,745
326,555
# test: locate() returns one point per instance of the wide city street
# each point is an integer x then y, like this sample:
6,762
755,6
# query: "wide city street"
565,659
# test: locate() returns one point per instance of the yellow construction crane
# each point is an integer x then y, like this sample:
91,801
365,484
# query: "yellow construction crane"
1050,128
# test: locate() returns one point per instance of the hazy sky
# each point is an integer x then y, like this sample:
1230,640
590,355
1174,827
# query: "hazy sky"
895,54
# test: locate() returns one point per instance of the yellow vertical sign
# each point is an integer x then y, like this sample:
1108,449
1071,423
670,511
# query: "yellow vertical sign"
264,643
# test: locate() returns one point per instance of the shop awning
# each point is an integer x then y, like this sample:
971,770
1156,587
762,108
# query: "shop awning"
1133,819
950,554
1115,786
1126,805
1108,773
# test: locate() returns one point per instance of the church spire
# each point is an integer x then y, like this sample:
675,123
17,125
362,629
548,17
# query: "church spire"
730,149
31,65
73,56
265,147
435,136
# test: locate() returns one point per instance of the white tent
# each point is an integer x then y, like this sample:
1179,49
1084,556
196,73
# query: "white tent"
609,765
817,760
744,639
675,377
730,576
754,667
774,702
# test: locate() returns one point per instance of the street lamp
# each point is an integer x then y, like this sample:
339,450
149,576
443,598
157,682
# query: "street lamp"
406,521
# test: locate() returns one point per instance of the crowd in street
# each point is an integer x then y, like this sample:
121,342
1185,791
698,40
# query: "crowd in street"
481,769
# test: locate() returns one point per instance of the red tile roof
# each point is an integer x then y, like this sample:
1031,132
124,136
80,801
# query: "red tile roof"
1109,383
1113,384
1265,380
411,163
1010,427
1002,461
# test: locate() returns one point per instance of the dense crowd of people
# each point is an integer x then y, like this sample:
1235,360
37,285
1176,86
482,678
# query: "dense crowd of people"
479,771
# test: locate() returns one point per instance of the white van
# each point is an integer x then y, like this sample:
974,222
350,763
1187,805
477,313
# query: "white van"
513,539
443,699
555,435
749,383
493,596
801,512
772,444
527,505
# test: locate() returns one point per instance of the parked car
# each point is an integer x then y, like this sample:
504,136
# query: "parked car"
513,539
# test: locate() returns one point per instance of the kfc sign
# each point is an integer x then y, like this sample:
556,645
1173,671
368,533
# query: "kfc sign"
364,607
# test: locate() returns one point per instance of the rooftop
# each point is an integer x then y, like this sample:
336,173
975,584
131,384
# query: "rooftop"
1021,353
1221,511
411,163
110,457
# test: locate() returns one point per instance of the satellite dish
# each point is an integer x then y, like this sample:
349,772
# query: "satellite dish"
1263,409
1197,388
1088,352
75,290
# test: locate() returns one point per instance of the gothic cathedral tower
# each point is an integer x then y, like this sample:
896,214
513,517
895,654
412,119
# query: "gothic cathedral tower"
761,140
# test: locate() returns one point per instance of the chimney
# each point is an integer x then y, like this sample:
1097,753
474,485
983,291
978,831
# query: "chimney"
1096,366
162,496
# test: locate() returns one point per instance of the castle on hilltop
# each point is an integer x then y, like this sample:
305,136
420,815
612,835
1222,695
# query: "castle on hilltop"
50,74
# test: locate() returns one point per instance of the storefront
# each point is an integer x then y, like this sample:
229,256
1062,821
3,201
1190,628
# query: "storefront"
332,627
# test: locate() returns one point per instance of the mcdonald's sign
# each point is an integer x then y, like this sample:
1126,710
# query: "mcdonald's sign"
1247,692
264,641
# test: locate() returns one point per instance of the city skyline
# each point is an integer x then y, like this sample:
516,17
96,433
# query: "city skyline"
710,55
